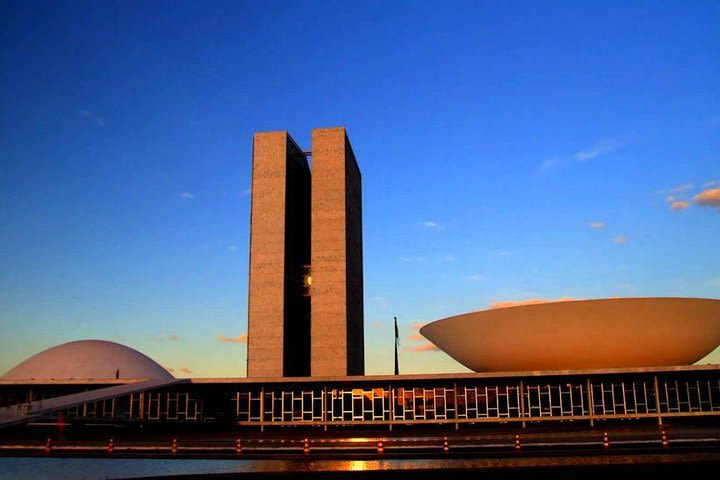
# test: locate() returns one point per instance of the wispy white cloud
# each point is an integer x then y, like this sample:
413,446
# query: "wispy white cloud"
431,224
711,183
119,338
242,338
247,192
621,239
448,258
597,150
674,193
685,187
475,277
597,225
550,163
186,195
232,248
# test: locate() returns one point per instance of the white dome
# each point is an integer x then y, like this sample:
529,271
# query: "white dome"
87,359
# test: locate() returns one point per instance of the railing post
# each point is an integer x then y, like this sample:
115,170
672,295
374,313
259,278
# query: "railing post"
522,402
657,399
455,397
591,405
142,405
391,408
262,408
325,408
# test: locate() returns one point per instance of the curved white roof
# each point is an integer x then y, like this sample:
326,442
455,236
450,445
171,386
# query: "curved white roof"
606,333
88,359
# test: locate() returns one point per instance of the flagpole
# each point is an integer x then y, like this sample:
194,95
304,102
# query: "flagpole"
397,341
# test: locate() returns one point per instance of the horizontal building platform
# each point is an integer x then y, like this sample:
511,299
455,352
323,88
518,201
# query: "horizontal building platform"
373,378
458,376
454,400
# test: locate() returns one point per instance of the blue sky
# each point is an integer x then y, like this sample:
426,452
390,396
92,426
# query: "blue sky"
491,137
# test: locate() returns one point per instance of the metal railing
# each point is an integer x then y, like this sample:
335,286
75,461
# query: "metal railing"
460,401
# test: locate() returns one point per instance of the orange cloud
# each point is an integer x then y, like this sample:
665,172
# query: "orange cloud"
599,225
620,239
425,347
173,337
185,370
242,338
708,198
680,205
169,369
529,301
417,337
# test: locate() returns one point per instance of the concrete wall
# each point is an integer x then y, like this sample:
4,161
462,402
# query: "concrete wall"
278,314
336,257
354,264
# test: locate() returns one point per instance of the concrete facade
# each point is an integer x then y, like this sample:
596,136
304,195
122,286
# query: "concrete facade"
278,310
337,345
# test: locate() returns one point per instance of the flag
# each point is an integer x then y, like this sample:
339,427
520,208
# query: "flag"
397,333
397,342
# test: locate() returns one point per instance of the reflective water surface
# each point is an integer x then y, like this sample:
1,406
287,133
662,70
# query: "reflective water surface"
33,468
13,468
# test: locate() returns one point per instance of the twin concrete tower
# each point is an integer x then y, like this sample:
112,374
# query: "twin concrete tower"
305,306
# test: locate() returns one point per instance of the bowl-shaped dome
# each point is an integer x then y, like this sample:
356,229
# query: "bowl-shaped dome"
88,359
608,333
